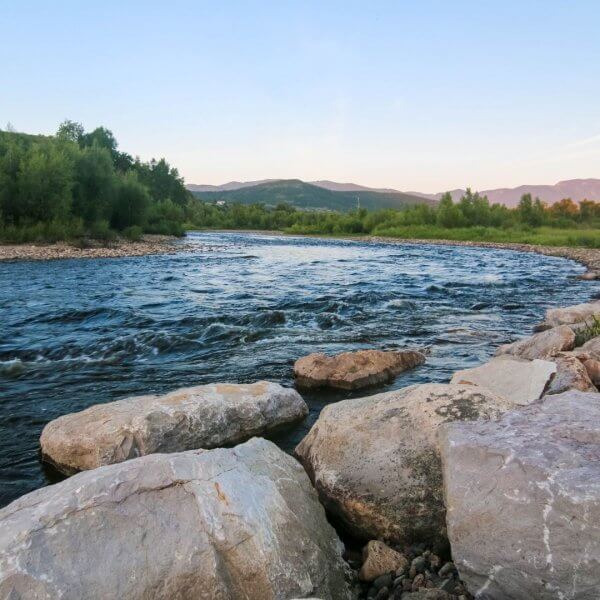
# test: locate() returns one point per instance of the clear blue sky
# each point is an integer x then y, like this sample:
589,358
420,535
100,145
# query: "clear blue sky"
413,95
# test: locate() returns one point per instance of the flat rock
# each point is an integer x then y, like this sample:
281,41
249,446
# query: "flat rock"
375,461
238,523
571,374
379,559
570,315
523,500
520,381
542,345
353,370
198,417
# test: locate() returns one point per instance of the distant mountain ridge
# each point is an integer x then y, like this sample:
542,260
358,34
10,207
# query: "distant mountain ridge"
576,189
306,195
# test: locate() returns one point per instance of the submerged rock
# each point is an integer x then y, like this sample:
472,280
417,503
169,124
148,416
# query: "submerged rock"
541,345
523,500
205,416
375,460
520,381
353,370
240,523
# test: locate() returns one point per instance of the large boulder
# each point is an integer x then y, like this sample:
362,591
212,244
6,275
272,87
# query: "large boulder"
205,416
571,374
523,500
570,315
353,370
375,461
541,345
520,381
231,523
591,348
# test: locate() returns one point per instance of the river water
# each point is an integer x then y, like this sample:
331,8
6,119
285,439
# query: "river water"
241,307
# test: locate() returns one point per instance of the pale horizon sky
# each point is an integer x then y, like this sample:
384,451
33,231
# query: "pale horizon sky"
425,96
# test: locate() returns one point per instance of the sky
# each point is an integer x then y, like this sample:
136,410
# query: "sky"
425,96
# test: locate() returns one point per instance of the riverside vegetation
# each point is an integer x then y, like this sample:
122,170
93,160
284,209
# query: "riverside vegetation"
77,185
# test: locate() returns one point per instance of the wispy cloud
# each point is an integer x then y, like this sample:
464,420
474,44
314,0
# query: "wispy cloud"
595,139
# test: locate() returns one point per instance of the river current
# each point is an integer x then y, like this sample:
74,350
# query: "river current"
242,307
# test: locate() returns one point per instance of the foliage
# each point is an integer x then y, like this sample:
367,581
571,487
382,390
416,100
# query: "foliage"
78,183
473,218
589,330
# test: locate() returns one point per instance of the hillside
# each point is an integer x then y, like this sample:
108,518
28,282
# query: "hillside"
576,189
306,195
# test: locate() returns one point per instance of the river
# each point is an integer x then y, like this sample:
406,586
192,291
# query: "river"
240,307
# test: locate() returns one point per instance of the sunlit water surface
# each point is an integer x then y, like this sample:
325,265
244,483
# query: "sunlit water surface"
242,307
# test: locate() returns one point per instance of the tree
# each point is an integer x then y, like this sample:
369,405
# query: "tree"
448,214
95,183
44,184
130,203
70,131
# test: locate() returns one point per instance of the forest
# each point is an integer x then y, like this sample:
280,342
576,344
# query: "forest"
77,184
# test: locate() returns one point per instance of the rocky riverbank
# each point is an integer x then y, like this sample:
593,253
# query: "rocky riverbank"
495,469
149,244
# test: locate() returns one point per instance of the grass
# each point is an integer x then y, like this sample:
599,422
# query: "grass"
588,331
542,236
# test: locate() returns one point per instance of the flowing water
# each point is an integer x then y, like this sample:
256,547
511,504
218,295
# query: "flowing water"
241,307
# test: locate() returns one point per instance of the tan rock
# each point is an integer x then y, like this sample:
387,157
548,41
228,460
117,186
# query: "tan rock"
592,367
198,417
569,315
591,348
240,523
520,381
542,345
379,559
571,374
375,460
353,370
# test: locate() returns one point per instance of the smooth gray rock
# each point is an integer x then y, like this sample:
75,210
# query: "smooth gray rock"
375,460
542,345
206,416
239,523
523,500
520,381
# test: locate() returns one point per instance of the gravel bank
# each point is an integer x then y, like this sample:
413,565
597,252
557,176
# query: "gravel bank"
149,244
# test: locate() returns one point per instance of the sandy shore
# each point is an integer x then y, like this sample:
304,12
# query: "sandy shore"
149,244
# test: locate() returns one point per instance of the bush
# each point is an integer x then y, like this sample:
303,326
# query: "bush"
133,233
100,230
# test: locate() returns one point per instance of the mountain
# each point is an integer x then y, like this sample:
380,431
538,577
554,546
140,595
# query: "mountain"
306,195
576,189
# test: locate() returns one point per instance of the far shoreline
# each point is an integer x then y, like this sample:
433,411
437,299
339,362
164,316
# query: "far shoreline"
161,244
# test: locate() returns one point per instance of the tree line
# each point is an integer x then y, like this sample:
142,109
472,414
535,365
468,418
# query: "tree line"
78,183
473,217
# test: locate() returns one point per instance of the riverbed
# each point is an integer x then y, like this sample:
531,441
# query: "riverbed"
240,307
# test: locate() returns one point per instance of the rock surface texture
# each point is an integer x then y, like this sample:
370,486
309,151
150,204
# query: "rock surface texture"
571,374
375,460
570,315
523,500
240,523
541,345
353,370
379,559
198,417
520,381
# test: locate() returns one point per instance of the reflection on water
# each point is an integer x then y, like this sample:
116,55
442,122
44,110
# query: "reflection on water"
241,307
